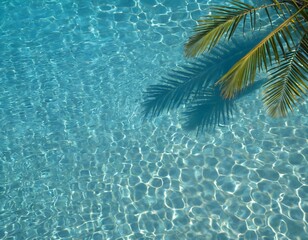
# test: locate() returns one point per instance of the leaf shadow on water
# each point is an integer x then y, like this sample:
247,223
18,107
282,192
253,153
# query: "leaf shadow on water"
210,109
192,87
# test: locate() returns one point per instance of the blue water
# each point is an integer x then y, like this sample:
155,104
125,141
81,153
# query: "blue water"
78,162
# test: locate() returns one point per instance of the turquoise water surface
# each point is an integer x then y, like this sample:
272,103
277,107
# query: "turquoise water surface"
78,162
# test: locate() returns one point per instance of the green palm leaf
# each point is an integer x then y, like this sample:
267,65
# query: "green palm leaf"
224,20
210,30
288,81
198,85
243,73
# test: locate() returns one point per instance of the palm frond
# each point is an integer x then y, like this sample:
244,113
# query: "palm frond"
243,73
210,109
224,20
210,29
288,81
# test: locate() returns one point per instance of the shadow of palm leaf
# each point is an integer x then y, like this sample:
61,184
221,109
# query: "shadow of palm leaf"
192,85
210,109
178,87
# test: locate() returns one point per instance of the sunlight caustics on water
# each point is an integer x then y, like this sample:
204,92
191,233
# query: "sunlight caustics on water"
78,162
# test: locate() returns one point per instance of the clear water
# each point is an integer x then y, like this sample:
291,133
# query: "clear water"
77,162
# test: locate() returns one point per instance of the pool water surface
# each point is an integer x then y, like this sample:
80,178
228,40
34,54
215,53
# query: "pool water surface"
77,161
